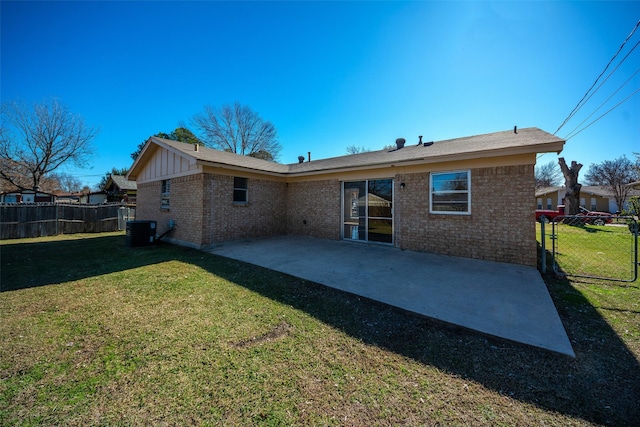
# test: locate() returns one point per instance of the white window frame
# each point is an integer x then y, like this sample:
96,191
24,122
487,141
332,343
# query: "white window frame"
468,192
244,189
539,206
165,194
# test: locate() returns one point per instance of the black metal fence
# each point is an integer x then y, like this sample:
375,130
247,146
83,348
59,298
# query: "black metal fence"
48,219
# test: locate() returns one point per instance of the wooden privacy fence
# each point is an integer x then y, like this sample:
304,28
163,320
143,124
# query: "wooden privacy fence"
49,219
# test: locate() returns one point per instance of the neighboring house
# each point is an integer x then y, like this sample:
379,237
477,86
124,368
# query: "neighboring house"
593,198
83,198
96,198
120,189
70,197
437,197
26,196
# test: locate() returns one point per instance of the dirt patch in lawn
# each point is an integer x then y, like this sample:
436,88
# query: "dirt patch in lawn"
279,331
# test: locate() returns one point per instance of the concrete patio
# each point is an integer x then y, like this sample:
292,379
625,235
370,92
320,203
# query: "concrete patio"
505,300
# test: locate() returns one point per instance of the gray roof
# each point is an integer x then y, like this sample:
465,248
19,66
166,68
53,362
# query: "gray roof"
594,190
210,155
527,140
123,183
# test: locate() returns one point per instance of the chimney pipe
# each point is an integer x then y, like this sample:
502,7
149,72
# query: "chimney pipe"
400,143
420,142
300,159
515,129
309,154
197,147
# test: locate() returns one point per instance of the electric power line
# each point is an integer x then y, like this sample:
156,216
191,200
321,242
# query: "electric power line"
607,112
601,105
583,100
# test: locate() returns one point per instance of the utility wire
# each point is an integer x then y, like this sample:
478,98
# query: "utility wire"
582,101
605,101
607,112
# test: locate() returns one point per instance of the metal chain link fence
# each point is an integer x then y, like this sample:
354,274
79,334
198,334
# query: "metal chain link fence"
582,247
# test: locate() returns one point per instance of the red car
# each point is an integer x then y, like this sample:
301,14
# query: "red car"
586,216
596,218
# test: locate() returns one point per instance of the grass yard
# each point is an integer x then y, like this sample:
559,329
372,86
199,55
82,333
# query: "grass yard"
95,333
596,251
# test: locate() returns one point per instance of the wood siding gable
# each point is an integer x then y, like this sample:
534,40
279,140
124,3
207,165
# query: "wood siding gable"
166,164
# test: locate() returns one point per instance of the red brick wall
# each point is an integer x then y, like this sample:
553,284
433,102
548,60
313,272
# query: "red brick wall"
185,208
264,214
318,204
500,227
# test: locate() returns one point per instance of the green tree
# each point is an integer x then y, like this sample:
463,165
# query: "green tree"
615,175
181,134
40,139
114,171
238,129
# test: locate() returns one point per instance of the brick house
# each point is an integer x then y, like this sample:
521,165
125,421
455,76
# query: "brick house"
592,197
437,197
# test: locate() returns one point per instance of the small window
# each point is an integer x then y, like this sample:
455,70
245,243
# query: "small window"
539,204
583,202
549,204
594,204
450,193
165,192
240,190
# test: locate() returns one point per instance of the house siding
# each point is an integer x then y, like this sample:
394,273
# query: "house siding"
498,228
185,208
264,215
314,208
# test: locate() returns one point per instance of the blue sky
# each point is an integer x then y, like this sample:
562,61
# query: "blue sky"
327,74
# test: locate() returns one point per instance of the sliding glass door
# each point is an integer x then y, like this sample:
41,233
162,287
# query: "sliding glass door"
367,210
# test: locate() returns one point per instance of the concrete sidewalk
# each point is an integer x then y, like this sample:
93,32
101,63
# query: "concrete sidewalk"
506,300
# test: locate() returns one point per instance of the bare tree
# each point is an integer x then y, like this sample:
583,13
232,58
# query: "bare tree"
615,175
39,140
238,129
547,175
68,183
571,186
354,149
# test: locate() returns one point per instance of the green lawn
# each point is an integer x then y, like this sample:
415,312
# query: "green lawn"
593,251
95,333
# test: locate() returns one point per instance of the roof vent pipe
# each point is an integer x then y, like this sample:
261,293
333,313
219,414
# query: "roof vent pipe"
400,143
420,142
197,147
515,129
309,154
300,159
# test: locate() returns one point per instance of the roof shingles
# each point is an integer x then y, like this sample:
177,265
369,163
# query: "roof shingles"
528,140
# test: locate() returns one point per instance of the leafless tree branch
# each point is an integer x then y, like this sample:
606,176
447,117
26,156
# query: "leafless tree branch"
39,140
238,129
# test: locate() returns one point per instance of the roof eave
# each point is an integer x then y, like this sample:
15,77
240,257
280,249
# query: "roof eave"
509,151
220,165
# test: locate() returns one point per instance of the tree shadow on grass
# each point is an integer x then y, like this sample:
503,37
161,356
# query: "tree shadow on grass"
28,265
601,385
